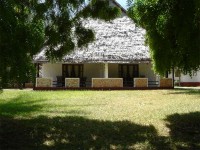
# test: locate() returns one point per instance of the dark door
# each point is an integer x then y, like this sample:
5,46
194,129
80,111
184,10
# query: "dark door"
72,70
128,72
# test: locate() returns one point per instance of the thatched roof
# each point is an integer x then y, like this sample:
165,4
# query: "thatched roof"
117,41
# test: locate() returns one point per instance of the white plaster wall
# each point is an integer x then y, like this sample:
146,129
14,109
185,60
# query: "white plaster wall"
50,70
93,71
113,71
96,71
144,70
187,78
147,71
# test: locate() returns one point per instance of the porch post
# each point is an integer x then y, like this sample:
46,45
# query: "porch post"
105,68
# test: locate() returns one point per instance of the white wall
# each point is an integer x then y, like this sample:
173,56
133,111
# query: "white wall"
93,71
50,70
90,70
186,78
194,78
146,71
96,70
113,71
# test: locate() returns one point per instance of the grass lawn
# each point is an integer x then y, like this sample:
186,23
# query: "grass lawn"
141,120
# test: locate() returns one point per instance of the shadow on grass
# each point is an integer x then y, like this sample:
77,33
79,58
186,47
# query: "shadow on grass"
20,105
23,106
69,132
185,130
186,91
77,133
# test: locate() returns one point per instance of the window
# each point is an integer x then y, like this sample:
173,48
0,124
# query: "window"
72,70
128,71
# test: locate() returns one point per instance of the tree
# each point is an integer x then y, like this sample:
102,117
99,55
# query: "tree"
172,32
21,36
27,26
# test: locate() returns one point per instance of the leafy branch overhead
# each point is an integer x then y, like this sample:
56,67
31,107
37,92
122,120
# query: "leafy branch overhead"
63,17
173,32
27,26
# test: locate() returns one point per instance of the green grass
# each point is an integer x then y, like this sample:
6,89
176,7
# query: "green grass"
155,119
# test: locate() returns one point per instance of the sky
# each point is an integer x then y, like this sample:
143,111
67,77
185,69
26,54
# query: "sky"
122,2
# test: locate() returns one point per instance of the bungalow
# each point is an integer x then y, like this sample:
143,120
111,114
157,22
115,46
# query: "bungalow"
117,58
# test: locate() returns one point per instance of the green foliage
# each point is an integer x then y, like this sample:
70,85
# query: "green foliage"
84,36
173,32
68,16
21,36
27,26
100,9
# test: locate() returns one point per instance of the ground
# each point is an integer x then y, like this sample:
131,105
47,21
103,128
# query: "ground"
150,119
